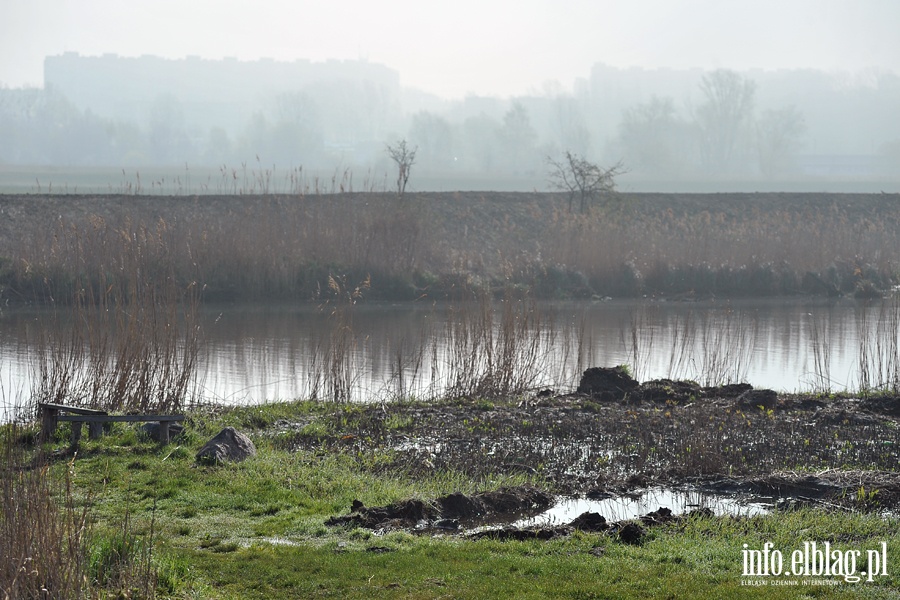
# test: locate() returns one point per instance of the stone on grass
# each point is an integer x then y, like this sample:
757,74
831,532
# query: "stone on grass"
228,445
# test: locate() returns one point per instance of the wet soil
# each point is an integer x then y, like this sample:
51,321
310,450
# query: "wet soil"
468,515
836,451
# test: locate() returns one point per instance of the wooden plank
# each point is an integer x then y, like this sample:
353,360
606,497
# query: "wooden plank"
119,418
72,409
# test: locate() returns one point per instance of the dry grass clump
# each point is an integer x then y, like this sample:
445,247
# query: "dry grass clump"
124,334
48,547
43,545
494,352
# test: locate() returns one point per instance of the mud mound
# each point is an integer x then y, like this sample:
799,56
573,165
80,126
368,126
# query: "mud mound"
615,384
590,521
885,405
667,390
515,533
632,531
607,384
766,399
502,502
444,512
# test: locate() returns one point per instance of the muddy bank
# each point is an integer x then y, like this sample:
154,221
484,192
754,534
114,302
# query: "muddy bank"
467,515
500,515
449,512
654,434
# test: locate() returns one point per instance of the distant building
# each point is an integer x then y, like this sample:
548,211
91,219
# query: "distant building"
213,93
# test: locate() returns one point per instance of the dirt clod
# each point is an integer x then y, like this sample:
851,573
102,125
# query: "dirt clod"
632,533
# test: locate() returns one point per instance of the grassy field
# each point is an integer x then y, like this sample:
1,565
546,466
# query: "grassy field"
159,525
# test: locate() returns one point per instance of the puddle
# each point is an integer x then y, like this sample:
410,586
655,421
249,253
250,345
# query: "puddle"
640,503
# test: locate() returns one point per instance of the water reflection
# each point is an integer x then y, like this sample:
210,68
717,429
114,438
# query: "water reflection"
255,354
619,508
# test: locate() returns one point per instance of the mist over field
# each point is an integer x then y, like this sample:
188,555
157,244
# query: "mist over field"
723,127
713,97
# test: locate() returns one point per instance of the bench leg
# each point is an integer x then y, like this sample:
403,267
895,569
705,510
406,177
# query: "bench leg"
48,424
76,432
95,430
164,432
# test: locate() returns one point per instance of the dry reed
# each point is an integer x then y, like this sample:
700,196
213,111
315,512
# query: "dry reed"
284,244
879,347
128,338
43,544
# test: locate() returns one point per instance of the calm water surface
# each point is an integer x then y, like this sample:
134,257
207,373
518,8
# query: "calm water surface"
257,354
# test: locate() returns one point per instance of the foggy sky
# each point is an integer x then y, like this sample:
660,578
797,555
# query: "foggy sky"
459,47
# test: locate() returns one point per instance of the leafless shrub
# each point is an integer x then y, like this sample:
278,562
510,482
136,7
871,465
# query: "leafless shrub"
580,178
489,358
404,158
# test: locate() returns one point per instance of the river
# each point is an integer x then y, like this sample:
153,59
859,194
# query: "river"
262,353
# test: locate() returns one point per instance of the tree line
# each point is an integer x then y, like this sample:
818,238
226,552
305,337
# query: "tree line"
724,127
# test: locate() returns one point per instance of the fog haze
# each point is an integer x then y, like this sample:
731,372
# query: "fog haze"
462,47
691,94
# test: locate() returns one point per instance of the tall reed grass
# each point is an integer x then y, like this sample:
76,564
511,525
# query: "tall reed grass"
43,544
284,246
128,336
879,347
713,347
496,353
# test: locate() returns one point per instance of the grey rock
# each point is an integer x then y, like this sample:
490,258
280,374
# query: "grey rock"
228,445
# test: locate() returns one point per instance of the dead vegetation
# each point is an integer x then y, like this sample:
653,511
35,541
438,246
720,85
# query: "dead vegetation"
285,246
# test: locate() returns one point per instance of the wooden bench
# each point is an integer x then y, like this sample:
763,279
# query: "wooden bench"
52,414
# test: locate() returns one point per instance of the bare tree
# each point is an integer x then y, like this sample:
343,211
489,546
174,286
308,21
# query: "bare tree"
517,136
651,136
725,115
779,134
582,178
405,159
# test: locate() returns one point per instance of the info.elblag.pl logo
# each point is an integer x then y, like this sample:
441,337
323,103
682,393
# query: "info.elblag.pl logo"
814,560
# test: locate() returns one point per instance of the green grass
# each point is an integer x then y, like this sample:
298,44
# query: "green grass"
256,529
